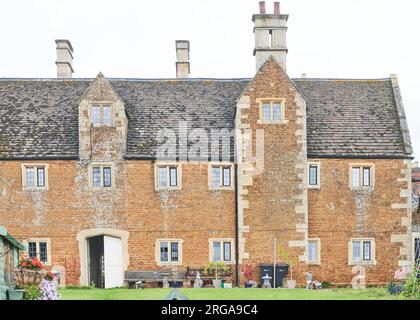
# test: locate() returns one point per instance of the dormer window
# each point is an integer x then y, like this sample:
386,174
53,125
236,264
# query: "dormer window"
101,115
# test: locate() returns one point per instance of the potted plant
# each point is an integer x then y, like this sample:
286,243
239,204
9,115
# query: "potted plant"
285,257
15,293
217,268
396,286
29,272
247,270
228,282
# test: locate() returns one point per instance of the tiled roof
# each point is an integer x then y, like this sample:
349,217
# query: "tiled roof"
352,118
357,118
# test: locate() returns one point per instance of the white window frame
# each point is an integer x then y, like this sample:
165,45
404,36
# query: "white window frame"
222,249
361,167
101,165
36,166
101,106
169,262
38,253
178,176
318,175
272,101
210,175
318,251
372,260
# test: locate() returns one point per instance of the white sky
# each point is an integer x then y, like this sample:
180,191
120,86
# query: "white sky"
136,38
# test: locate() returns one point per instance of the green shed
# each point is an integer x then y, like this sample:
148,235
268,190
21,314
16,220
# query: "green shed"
9,259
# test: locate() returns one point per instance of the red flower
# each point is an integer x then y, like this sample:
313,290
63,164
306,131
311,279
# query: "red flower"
34,262
23,264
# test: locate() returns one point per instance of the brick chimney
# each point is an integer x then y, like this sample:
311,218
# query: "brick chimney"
64,58
270,35
182,58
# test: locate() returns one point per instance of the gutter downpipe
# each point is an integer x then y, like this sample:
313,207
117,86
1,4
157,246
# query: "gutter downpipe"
236,227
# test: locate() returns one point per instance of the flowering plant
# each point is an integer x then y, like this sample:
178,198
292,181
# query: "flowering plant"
48,291
49,276
401,274
31,264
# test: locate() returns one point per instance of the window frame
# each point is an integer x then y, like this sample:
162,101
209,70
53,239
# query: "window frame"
272,102
158,243
362,241
101,105
221,166
168,167
102,166
222,242
318,174
317,261
38,251
36,166
416,235
361,178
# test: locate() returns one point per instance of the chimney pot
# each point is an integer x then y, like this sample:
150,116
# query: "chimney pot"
276,7
262,7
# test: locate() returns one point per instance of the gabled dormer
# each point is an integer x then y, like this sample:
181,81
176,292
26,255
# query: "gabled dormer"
102,123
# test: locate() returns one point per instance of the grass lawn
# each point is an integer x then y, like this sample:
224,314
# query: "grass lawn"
226,294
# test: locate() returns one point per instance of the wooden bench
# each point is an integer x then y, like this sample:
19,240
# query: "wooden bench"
152,278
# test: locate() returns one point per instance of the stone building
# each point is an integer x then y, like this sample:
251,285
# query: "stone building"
134,174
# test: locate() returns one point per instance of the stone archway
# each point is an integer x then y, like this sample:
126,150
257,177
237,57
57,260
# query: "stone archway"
84,234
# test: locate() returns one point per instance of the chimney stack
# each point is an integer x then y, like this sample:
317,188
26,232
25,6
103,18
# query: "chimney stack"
64,58
182,58
270,36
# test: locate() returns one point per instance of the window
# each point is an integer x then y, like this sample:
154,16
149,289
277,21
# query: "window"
314,249
221,176
362,251
40,249
272,111
168,177
101,176
220,250
314,175
101,115
361,176
169,251
34,176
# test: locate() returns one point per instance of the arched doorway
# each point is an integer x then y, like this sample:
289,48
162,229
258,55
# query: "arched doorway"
103,257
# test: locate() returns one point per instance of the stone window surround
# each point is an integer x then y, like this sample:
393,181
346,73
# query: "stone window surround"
372,175
232,248
318,251
318,164
101,165
37,241
35,165
372,261
169,262
178,175
101,104
282,102
221,164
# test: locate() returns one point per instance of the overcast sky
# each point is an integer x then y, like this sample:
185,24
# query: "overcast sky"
136,39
